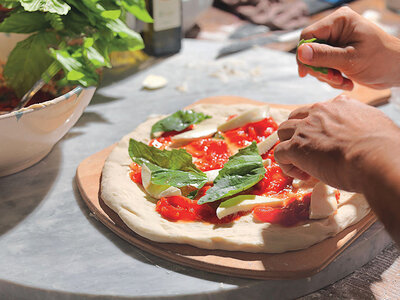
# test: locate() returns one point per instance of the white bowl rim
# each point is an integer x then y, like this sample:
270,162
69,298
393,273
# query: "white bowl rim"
18,113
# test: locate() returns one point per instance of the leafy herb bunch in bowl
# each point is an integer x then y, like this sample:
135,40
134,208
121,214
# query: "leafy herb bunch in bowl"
64,43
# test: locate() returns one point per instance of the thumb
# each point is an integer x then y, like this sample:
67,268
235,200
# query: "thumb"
320,55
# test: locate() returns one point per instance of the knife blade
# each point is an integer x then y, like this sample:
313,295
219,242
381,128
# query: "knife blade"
243,45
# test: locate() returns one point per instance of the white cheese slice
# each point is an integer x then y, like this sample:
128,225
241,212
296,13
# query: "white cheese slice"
211,175
268,143
154,82
252,115
155,190
196,133
304,184
323,201
245,203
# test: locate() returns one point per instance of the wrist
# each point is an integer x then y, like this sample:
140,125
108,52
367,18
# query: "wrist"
373,160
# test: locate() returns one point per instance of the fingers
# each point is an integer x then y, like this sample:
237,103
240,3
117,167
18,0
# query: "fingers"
287,129
300,113
345,84
333,27
334,78
292,171
302,69
321,55
282,155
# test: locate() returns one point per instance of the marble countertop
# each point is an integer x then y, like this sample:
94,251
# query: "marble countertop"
52,248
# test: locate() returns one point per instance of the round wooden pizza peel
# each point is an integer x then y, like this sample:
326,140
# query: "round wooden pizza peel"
294,264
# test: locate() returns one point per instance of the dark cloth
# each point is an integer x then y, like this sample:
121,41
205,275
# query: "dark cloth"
276,14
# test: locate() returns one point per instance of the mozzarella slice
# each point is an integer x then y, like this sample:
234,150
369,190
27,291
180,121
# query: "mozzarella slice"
154,82
323,201
268,143
252,115
245,203
211,175
304,184
197,133
155,190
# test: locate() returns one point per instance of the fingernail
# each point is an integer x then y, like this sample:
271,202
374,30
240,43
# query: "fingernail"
306,53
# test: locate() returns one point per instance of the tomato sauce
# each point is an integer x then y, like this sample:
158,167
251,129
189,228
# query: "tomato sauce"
209,154
136,173
274,182
179,208
256,131
295,210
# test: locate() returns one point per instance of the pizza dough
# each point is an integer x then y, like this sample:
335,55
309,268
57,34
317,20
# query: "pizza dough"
137,209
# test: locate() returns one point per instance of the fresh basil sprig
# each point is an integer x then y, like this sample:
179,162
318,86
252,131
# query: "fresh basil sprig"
178,121
74,35
242,171
322,70
174,168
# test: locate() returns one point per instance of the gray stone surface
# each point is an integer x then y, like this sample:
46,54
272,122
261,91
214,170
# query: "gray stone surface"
51,247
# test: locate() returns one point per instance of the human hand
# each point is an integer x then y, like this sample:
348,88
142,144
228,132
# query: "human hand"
337,142
356,51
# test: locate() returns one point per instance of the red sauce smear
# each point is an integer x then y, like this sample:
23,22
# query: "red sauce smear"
256,131
179,208
274,182
136,173
295,210
209,154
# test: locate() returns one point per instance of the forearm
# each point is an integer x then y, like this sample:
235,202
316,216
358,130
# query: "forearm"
393,64
381,185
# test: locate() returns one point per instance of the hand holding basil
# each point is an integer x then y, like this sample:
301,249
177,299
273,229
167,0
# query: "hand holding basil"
322,70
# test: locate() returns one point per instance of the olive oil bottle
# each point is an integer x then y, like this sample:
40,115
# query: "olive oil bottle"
163,37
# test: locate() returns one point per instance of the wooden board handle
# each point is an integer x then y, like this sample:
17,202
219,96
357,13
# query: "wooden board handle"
368,95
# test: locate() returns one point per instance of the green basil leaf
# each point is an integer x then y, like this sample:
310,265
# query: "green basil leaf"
176,178
96,58
178,121
53,6
138,9
322,70
176,159
111,14
21,71
242,171
121,29
55,21
75,75
73,62
24,22
173,168
10,3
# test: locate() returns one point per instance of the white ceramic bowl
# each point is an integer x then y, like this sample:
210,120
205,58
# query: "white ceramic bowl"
28,135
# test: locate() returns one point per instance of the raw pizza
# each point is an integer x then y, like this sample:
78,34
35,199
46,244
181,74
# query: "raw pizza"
207,177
